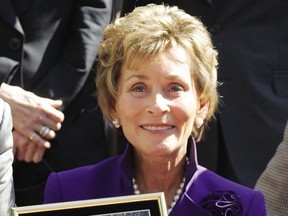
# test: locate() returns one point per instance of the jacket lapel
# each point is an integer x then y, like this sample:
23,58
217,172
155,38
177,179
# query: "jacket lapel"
8,14
187,206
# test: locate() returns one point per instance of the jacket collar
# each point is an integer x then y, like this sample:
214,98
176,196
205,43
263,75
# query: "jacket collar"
126,164
185,203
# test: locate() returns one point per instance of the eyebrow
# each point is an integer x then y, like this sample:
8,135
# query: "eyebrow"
144,77
173,77
138,76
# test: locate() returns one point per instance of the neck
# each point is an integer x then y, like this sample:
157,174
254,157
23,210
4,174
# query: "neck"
160,175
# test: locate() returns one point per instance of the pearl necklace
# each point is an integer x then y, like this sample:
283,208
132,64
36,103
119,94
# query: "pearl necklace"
176,196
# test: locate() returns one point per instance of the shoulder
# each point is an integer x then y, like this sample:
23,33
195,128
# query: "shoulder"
82,183
207,184
87,173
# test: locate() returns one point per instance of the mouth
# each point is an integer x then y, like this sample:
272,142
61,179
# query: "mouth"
157,128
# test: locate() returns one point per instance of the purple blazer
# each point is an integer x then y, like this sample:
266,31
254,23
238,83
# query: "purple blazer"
205,192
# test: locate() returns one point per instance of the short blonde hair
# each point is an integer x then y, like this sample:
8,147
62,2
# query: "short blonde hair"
146,33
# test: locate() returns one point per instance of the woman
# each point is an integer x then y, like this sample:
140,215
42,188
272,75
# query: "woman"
157,82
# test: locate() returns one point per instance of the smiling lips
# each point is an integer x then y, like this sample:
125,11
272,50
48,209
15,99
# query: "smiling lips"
157,128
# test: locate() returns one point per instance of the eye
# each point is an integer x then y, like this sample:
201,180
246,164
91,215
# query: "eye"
138,88
176,88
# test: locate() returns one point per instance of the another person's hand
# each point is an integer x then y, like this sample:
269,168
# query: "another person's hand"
34,117
26,150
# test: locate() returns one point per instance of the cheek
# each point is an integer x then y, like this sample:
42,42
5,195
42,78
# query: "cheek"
127,108
187,118
186,112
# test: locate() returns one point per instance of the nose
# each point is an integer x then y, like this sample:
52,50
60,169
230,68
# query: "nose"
158,104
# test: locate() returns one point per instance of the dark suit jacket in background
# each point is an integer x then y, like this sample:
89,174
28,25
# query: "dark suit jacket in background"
252,39
49,48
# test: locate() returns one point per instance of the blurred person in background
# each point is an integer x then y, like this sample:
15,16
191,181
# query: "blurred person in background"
47,57
273,181
7,196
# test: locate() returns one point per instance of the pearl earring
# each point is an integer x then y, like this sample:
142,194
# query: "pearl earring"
199,122
116,123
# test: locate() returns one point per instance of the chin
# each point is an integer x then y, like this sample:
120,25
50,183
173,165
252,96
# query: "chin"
162,150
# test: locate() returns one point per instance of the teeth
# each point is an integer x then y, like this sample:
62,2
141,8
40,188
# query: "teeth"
155,128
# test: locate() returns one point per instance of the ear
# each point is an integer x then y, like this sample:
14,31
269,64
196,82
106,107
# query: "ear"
201,113
203,109
114,112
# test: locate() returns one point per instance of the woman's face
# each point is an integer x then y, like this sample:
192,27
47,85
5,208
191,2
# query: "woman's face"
157,104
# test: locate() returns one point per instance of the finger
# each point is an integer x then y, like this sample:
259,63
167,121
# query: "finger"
52,113
38,154
37,139
39,117
54,103
30,152
14,152
46,132
20,154
14,145
43,120
19,146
